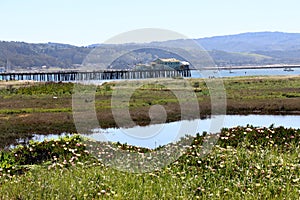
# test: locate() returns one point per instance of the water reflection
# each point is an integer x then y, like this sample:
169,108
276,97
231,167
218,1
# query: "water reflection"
169,132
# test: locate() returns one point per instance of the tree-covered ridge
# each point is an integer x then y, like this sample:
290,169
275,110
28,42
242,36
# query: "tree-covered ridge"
26,56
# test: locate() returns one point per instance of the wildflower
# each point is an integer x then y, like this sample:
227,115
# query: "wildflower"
296,180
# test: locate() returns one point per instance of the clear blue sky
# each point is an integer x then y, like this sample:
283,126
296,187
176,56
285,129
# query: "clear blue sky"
84,22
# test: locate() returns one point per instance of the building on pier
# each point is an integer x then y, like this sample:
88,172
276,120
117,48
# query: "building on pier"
164,64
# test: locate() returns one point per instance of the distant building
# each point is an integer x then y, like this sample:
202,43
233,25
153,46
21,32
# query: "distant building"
168,63
164,64
44,67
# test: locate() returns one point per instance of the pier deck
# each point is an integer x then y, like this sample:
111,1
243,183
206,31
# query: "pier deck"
93,75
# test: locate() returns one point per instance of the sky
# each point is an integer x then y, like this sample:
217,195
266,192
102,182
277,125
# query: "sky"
85,22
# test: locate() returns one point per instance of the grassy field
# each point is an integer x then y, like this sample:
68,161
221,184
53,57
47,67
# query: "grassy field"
246,163
46,108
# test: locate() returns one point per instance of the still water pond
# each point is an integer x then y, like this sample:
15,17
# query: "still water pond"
161,134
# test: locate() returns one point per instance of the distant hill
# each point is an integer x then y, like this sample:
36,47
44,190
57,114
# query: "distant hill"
259,48
241,49
26,56
252,42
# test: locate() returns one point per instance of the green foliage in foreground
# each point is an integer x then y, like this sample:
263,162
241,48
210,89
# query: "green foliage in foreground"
246,163
22,158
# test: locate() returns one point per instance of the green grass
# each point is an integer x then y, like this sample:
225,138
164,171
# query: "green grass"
261,88
246,163
40,89
34,110
41,95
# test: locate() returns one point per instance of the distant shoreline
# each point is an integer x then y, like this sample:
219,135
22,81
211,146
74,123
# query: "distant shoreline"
276,66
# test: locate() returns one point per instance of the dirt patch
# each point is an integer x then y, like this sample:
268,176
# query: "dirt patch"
23,115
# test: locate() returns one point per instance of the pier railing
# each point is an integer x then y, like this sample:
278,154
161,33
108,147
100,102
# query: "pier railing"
93,75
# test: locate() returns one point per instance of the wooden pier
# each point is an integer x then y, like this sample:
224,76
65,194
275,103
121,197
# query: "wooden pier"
93,75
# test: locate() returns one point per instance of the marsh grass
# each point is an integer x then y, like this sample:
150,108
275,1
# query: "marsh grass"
247,163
